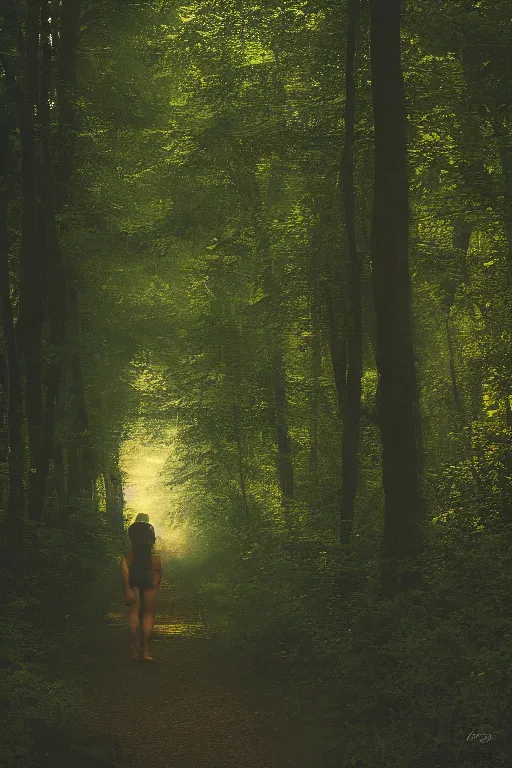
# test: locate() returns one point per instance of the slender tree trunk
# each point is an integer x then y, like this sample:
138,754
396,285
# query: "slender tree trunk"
508,413
338,350
284,452
352,415
15,499
73,477
81,474
59,474
453,374
278,370
114,500
391,282
326,266
461,237
240,456
316,372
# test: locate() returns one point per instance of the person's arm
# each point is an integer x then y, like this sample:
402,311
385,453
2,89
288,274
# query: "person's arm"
129,594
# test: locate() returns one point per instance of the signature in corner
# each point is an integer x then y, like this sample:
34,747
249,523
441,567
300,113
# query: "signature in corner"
483,737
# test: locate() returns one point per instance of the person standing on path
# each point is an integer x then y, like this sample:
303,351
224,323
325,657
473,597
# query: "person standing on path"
141,573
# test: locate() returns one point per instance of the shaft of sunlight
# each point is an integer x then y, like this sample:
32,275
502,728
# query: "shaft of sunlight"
145,490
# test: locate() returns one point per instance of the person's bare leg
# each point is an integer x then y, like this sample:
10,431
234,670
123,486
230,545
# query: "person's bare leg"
148,619
133,623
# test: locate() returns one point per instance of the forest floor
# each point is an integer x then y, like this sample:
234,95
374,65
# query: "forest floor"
199,704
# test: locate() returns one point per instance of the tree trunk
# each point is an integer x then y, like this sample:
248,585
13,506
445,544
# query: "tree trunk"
352,415
73,476
4,393
284,453
80,451
338,350
278,371
66,84
240,456
391,283
453,374
114,499
326,266
461,236
59,474
53,275
14,404
316,372
31,312
81,475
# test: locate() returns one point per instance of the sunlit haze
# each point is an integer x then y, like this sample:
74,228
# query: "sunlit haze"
145,490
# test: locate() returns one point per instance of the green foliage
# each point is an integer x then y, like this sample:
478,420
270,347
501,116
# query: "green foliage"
66,589
203,232
30,704
429,667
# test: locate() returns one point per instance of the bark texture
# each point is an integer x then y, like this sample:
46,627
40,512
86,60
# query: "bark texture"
352,415
12,373
391,284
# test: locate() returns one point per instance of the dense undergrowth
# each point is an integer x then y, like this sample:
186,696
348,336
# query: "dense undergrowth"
404,682
62,588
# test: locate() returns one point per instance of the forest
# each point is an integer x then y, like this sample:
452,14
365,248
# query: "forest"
255,278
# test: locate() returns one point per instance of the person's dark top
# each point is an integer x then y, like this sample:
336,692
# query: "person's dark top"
142,537
141,533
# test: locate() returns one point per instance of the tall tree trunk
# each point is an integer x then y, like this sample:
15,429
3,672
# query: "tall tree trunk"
31,312
391,283
15,499
80,452
352,415
66,84
53,274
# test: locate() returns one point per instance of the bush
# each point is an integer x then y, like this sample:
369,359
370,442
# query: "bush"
427,668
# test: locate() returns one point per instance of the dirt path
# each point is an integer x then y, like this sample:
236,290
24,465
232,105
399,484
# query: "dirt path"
197,705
